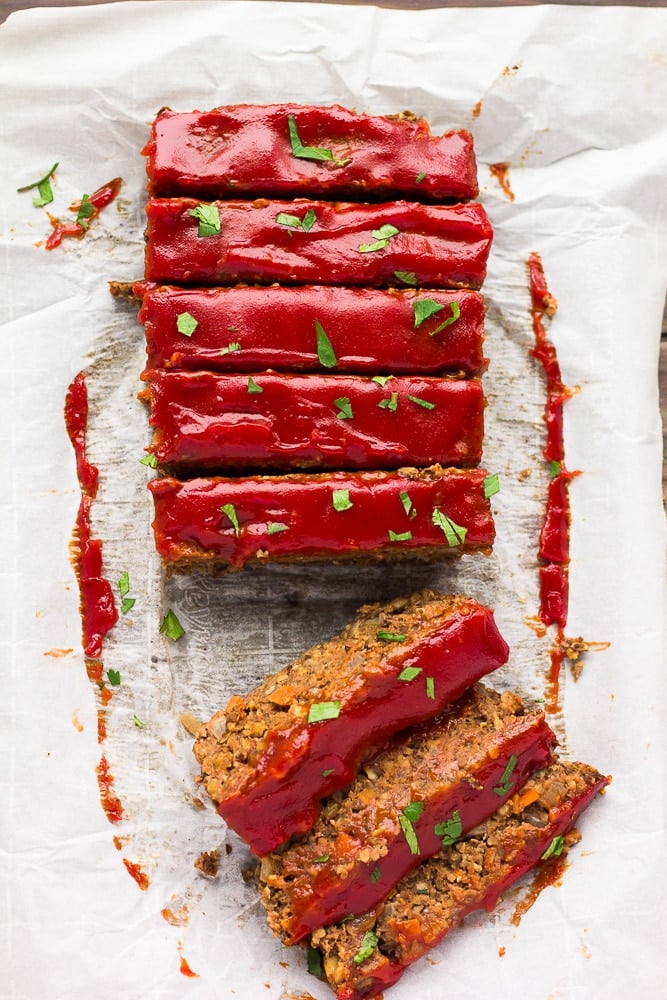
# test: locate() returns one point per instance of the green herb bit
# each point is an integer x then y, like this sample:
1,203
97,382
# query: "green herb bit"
390,404
407,504
44,189
506,780
309,220
186,324
456,313
127,604
382,237
430,688
341,500
554,468
555,848
137,721
230,511
253,388
420,177
327,771
450,830
368,945
491,485
294,222
323,858
171,627
314,962
454,533
381,379
124,584
407,818
149,460
423,308
390,636
325,351
409,673
406,277
309,152
208,218
399,536
345,408
321,711
86,210
376,875
231,348
275,527
422,402
114,677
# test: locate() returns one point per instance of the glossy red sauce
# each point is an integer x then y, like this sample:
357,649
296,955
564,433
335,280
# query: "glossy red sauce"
98,199
212,421
190,523
111,804
275,327
443,246
302,764
246,149
501,171
185,970
138,874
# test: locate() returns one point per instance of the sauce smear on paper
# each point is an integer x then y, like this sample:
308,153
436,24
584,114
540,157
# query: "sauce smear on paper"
86,209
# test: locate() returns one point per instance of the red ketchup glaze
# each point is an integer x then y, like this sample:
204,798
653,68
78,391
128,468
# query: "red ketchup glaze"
443,246
98,609
283,797
98,199
246,149
270,421
330,901
275,328
414,943
189,521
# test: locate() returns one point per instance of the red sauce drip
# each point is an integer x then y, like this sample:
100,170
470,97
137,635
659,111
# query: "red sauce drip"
98,199
137,873
111,804
551,874
501,171
185,969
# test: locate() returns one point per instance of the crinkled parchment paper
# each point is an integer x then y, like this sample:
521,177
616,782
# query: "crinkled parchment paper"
574,100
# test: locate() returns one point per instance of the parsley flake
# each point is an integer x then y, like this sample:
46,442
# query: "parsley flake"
321,711
407,818
149,460
325,351
323,858
294,222
491,485
409,673
171,627
327,771
430,688
44,190
407,504
555,848
86,211
382,237
456,313
376,875
389,404
309,152
231,348
314,962
390,636
381,379
341,500
420,177
275,527
127,604
423,308
554,468
450,830
422,402
506,780
114,677
454,533
208,218
406,277
230,511
186,324
138,723
253,388
345,408
399,536
368,945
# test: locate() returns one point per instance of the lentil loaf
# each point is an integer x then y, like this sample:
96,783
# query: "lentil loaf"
363,956
266,762
464,763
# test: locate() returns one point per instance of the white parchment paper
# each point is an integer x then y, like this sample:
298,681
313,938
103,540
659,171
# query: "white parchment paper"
574,99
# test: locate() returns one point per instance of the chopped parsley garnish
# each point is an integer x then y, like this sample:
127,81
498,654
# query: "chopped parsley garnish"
407,277
325,351
323,858
407,818
368,945
171,627
231,348
137,721
314,962
126,603
454,533
230,511
422,402
407,504
491,485
450,830
409,673
86,210
113,677
399,536
149,460
381,379
506,780
382,237
208,218
275,527
344,407
253,388
424,308
341,500
44,190
555,848
376,875
327,771
554,468
420,177
456,312
430,688
389,404
309,152
390,636
320,711
186,324
294,222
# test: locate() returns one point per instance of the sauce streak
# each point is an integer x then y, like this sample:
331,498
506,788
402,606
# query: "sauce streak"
138,874
551,874
97,201
110,803
501,171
